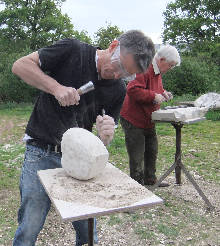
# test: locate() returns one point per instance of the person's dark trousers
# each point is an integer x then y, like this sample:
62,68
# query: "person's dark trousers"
142,148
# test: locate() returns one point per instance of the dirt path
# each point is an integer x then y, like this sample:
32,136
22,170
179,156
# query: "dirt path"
9,129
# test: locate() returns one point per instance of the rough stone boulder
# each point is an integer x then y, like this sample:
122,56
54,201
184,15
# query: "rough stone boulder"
210,100
84,156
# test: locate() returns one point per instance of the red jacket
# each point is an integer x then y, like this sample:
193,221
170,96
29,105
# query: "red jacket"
139,100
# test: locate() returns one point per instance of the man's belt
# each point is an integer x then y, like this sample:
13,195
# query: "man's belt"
45,146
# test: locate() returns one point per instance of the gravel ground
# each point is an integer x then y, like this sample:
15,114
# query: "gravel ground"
124,230
183,219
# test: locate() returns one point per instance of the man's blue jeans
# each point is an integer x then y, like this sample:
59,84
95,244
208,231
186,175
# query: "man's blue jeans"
35,203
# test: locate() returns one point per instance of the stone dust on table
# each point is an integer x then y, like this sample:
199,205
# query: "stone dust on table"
112,189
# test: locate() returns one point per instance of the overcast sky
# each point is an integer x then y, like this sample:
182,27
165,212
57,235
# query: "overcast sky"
90,15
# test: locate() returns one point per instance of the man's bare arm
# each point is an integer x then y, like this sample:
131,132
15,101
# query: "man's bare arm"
28,69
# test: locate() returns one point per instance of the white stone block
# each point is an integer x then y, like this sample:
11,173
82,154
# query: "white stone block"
84,156
210,100
179,114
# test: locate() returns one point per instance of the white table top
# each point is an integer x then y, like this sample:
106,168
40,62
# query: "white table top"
112,191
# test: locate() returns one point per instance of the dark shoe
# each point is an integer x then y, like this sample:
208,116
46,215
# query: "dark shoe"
153,182
164,184
132,212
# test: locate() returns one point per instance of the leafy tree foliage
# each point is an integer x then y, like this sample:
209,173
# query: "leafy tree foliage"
12,89
194,76
104,36
35,23
192,23
25,26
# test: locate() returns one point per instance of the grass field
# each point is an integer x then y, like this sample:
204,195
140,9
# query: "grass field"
183,218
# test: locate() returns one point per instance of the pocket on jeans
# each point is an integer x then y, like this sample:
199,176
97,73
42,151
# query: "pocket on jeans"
33,154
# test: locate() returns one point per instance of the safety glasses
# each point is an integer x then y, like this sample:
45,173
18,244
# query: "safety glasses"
118,66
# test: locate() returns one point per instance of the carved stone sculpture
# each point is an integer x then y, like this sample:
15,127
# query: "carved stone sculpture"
84,156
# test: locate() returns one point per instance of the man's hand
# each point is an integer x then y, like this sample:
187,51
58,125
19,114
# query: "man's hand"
105,126
67,96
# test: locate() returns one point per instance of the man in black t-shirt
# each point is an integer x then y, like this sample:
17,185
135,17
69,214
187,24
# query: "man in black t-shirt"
58,71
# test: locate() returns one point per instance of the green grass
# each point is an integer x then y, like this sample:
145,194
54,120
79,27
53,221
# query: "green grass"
213,115
13,109
168,231
114,220
8,215
143,232
11,158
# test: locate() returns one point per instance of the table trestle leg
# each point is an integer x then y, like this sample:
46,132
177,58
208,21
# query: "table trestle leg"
164,176
188,175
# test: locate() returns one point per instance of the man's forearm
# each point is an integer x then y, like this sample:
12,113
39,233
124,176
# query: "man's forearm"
27,68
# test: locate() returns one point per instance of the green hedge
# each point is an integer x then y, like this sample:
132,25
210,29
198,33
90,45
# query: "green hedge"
194,76
13,89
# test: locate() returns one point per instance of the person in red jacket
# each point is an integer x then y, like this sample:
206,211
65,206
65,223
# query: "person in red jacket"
144,95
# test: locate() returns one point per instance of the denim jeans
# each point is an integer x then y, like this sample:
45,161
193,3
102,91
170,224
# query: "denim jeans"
142,148
35,203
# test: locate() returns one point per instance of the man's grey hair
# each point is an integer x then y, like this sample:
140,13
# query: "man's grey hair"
134,42
170,53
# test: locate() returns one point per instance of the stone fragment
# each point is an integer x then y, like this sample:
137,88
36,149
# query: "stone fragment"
210,100
84,156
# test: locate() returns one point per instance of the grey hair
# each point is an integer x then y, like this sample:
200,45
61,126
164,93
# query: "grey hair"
140,46
170,53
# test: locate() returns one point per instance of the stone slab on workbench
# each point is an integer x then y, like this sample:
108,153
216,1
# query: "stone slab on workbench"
110,192
179,114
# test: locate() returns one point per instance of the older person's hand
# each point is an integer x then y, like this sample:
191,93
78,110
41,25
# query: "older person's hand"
159,98
105,126
168,95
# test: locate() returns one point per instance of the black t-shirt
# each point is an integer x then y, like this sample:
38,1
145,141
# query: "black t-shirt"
72,63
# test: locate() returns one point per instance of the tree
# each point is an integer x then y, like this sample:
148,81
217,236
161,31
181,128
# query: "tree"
192,23
104,36
35,23
25,26
194,76
83,36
